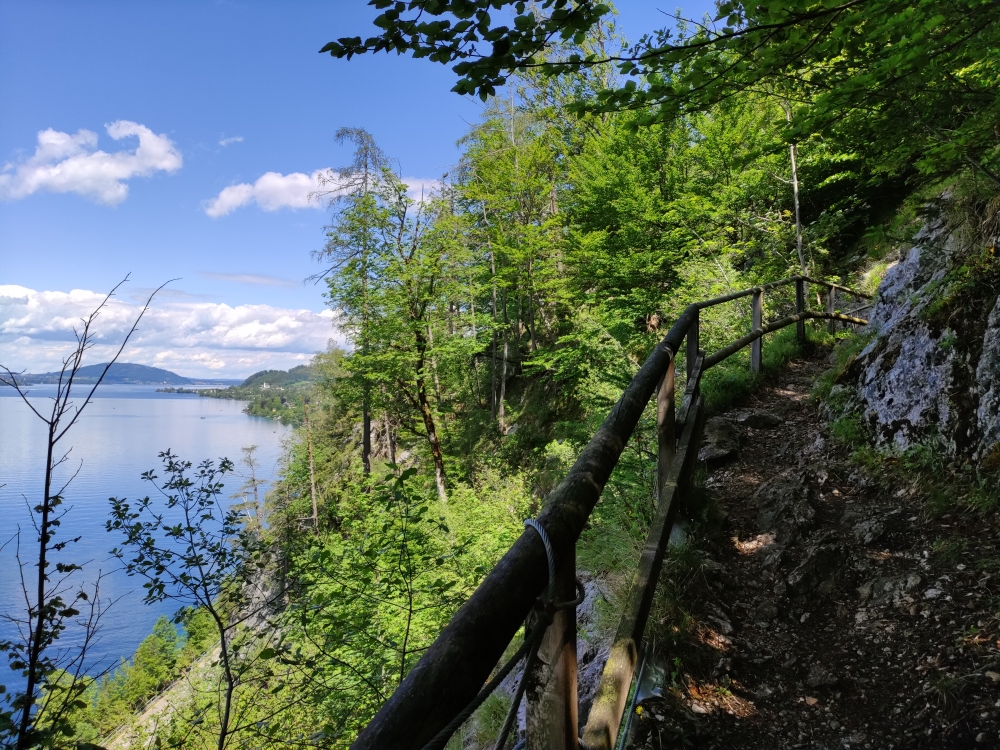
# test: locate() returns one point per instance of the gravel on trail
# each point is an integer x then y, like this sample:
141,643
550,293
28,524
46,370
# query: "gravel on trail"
838,611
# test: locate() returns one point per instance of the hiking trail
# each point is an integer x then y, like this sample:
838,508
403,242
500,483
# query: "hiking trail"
837,612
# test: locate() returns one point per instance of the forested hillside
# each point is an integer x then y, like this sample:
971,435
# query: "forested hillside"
493,323
273,394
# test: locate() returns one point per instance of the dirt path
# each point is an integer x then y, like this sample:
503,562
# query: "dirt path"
841,613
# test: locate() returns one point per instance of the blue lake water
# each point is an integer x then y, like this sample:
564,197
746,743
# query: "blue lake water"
116,439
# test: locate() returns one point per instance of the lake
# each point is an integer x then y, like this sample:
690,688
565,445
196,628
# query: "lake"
115,441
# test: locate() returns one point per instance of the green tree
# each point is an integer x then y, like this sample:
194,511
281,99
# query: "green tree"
195,551
351,251
375,594
394,274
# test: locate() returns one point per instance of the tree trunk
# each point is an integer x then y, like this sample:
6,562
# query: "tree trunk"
793,154
37,636
312,470
475,337
434,368
503,368
366,429
798,220
493,369
428,416
390,441
531,311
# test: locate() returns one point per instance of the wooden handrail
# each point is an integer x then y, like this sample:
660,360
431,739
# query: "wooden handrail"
459,662
728,351
831,285
773,284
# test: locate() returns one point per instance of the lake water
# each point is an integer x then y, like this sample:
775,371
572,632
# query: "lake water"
115,441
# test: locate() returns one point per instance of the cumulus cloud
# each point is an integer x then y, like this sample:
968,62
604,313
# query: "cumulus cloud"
420,189
196,339
273,191
227,141
64,163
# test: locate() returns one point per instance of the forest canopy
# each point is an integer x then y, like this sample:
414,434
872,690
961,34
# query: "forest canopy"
854,71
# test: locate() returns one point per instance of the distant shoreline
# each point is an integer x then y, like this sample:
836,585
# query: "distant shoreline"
121,373
91,381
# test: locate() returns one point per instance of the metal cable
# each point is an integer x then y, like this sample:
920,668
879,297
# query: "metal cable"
441,738
530,644
516,702
549,554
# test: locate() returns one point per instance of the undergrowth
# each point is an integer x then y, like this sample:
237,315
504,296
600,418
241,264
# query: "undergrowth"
845,353
731,381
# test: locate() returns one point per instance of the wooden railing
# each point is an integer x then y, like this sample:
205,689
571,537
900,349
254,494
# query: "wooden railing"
460,661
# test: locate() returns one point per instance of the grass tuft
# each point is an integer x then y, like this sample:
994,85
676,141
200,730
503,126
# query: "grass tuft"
731,381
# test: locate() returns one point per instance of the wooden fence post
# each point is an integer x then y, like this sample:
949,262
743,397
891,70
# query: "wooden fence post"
757,347
616,677
551,721
800,307
666,442
692,344
831,307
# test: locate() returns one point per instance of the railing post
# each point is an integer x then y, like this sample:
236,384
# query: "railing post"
692,344
831,307
666,441
757,321
551,721
800,307
616,677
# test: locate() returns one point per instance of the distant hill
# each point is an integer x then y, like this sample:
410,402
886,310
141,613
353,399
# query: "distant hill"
121,373
299,374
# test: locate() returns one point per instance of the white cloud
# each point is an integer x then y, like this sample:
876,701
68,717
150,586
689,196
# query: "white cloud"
273,191
227,141
64,163
195,339
420,189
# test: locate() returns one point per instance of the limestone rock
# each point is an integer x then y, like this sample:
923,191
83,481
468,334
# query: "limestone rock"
784,506
816,572
926,376
765,612
759,419
988,378
868,531
719,441
820,675
890,590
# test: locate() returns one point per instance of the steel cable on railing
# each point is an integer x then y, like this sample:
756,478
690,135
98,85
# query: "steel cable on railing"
532,641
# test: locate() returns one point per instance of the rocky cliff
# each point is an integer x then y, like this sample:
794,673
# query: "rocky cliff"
931,371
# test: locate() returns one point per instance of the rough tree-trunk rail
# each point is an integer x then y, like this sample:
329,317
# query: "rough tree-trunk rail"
459,662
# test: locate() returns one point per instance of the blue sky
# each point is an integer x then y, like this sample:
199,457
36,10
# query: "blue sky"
203,96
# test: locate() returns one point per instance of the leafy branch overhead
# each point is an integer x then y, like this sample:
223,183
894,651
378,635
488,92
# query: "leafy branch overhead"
446,31
859,66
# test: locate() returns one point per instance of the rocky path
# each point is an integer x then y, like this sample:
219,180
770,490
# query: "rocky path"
840,613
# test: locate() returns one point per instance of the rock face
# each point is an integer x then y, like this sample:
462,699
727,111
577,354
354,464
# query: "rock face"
988,377
719,441
932,372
